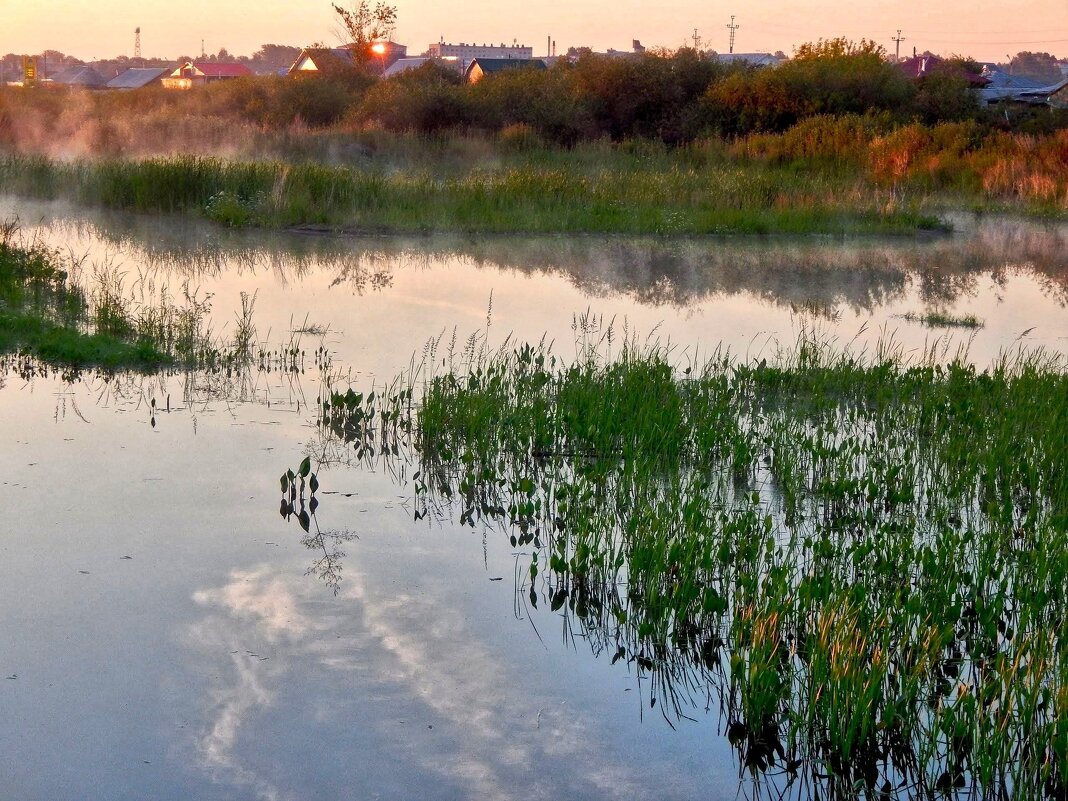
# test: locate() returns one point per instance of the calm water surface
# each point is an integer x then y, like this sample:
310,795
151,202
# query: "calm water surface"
166,634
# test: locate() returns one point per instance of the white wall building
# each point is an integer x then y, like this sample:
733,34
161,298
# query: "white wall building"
467,53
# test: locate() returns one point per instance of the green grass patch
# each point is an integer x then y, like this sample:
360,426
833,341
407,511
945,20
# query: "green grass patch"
48,314
594,191
862,560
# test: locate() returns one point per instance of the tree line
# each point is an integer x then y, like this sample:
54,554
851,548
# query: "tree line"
673,97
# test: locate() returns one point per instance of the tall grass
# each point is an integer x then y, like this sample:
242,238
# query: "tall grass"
535,193
49,308
862,559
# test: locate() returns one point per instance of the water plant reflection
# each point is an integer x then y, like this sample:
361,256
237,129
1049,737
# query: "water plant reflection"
815,273
302,506
858,561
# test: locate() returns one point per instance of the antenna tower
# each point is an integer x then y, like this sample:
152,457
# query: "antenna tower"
137,43
897,41
733,28
696,40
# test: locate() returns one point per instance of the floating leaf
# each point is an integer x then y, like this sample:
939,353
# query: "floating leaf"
305,520
285,482
313,482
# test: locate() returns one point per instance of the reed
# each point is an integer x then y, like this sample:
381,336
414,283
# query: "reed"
594,192
53,309
863,558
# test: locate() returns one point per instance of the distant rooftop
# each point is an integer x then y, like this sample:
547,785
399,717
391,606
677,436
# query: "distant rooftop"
82,75
402,65
490,65
754,59
136,78
214,69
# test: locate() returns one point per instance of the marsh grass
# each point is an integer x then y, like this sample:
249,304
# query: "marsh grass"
861,560
938,319
50,308
599,191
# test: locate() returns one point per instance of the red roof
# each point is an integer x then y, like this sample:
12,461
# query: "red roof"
216,70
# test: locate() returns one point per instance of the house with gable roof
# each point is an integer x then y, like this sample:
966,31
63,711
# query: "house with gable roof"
199,73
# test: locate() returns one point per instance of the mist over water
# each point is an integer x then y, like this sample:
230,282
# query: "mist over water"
172,637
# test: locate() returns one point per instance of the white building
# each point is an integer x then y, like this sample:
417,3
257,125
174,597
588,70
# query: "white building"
467,53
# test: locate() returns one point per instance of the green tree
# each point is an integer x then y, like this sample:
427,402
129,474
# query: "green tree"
364,24
1042,67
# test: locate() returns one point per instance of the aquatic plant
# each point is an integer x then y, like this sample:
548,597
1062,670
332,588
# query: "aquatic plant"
860,560
54,308
938,319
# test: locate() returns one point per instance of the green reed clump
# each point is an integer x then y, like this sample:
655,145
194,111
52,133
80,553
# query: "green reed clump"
46,312
938,319
865,559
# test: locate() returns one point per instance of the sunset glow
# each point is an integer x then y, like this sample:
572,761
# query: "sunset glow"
985,30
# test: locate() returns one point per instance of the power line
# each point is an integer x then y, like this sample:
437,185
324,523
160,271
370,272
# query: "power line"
733,28
897,42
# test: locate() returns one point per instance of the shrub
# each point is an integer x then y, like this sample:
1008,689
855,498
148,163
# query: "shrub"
425,100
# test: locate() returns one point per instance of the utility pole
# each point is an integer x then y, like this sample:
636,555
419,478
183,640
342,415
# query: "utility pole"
733,28
897,41
696,40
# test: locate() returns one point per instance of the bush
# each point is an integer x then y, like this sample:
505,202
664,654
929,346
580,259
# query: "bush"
653,96
835,77
546,100
945,96
426,100
828,139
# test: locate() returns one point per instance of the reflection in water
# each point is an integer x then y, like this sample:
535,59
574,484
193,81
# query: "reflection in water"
450,720
817,275
267,606
300,503
275,377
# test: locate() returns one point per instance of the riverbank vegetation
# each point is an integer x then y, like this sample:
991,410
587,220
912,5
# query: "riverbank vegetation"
858,559
586,190
837,139
49,314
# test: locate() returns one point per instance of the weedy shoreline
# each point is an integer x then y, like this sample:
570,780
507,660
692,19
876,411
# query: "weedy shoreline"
862,557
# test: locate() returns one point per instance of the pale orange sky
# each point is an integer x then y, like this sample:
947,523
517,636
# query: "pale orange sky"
985,29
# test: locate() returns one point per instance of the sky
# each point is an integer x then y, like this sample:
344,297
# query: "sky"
982,29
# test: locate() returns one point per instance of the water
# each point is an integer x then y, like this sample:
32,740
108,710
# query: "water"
168,635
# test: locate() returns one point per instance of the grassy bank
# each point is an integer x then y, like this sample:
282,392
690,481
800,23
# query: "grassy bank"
45,312
862,560
599,191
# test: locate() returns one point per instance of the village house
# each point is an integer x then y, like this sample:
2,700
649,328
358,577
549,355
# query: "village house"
137,78
322,61
749,59
198,73
80,77
403,65
381,55
481,67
